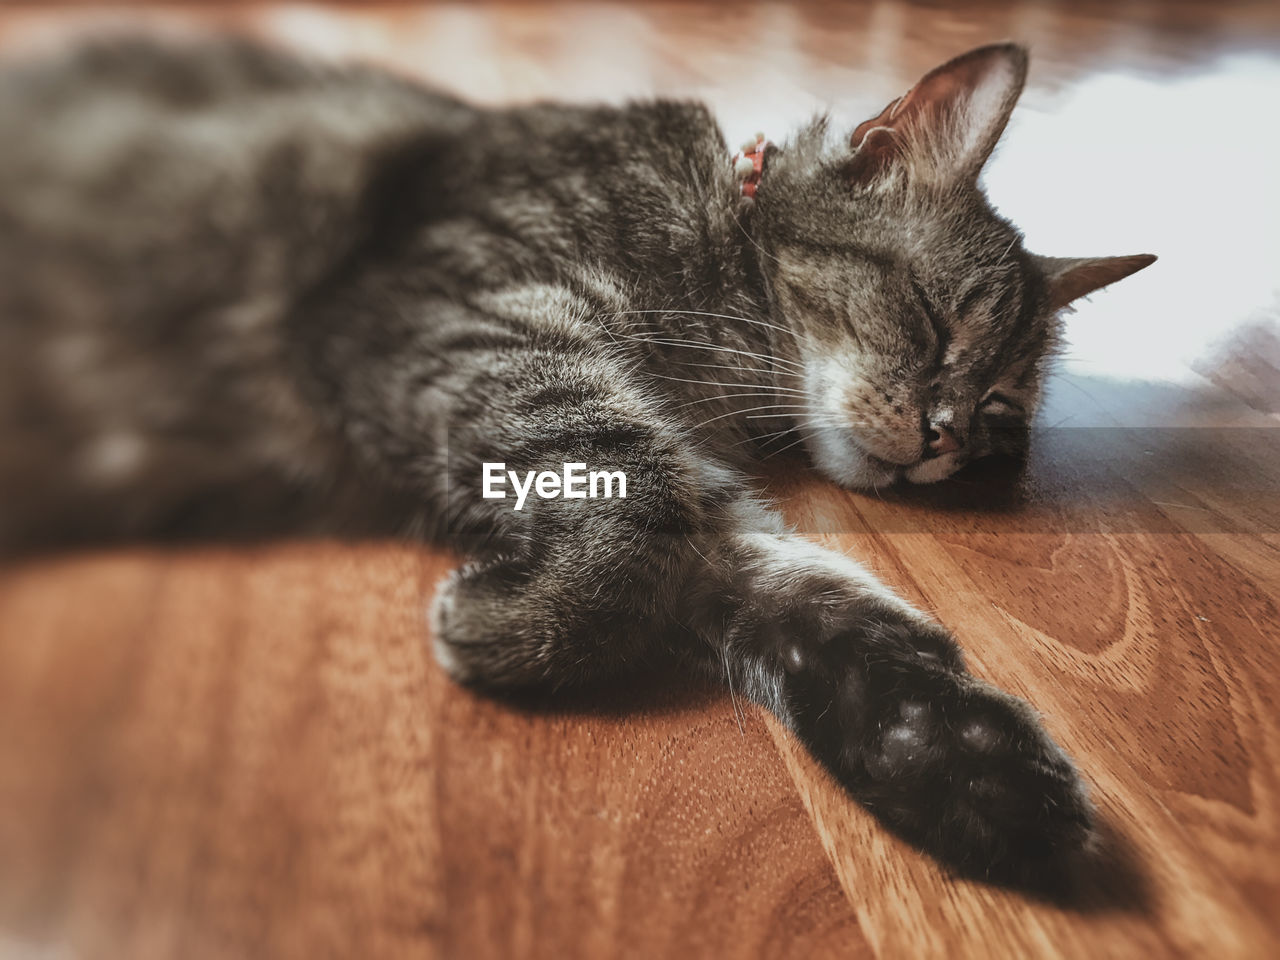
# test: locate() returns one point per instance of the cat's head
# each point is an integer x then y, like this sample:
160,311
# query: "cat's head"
921,323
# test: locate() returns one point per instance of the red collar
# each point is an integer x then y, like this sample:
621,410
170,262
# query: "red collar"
748,165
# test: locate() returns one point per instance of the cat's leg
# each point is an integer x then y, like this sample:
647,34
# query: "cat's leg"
876,689
445,397
565,590
573,590
879,693
562,590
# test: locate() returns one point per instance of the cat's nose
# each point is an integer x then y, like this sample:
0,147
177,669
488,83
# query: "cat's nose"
938,439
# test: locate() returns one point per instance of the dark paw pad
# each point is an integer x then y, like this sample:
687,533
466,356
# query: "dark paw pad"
905,742
979,736
958,767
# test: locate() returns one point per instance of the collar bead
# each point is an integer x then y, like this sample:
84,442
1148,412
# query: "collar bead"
748,165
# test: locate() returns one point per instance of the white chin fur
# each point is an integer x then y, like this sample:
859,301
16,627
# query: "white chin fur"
830,447
843,461
931,471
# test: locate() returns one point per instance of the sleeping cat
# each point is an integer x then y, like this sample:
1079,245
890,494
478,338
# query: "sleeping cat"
241,294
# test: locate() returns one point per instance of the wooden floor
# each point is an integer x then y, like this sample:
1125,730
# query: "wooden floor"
221,752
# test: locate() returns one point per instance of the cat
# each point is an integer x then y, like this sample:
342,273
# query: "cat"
244,294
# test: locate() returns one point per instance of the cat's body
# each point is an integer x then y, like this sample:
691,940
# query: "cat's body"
591,219
243,295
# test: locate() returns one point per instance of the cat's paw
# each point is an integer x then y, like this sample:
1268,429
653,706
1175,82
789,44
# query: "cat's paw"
442,617
959,768
467,632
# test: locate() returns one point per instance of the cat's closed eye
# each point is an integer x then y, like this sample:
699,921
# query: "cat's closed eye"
996,404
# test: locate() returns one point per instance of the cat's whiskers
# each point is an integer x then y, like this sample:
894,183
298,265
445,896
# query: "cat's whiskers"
797,425
773,453
739,368
793,406
704,313
735,413
751,413
810,419
794,369
752,240
818,419
695,345
764,438
650,329
719,396
733,697
745,386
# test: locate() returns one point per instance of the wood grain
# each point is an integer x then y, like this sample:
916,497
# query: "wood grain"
222,753
230,753
1156,669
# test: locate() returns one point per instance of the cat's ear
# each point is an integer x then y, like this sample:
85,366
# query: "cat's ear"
945,126
1073,277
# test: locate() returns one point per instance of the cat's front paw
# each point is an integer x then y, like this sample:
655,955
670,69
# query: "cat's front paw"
954,765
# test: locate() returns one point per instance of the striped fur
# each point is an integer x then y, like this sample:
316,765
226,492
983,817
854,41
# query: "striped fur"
243,295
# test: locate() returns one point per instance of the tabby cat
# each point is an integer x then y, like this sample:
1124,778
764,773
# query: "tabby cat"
242,294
